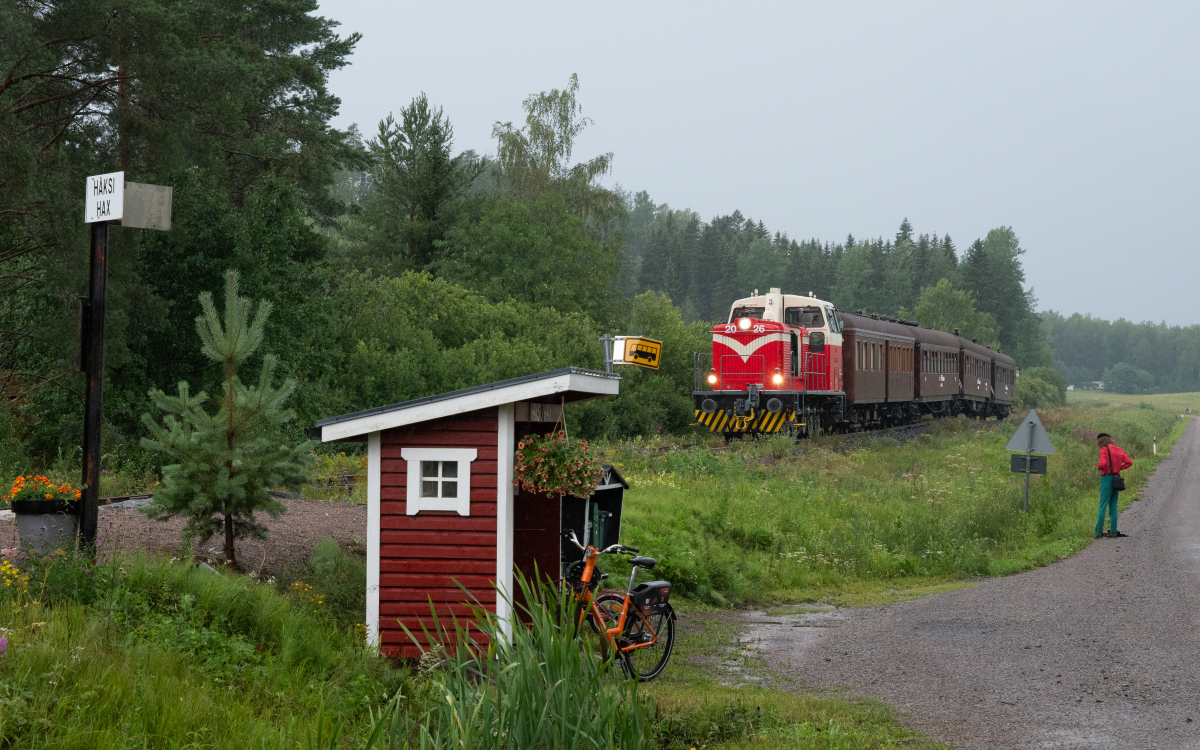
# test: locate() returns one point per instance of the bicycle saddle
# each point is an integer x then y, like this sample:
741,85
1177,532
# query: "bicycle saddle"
643,562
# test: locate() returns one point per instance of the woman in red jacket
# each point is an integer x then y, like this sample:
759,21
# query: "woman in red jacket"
1113,461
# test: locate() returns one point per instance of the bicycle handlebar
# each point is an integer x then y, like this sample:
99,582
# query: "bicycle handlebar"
617,548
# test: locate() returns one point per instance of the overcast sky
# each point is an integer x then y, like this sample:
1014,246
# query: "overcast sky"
1078,124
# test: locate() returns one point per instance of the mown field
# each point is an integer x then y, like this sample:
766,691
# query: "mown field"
147,652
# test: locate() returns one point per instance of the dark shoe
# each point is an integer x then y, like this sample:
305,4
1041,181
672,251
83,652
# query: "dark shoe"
1100,536
1114,534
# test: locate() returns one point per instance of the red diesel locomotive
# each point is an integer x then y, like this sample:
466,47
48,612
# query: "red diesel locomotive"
788,362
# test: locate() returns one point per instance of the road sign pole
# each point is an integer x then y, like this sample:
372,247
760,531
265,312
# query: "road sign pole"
94,394
607,340
1028,466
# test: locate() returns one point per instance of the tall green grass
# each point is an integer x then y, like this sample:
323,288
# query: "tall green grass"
143,652
766,520
544,688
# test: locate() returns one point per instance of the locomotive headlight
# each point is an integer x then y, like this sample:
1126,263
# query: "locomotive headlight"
712,377
777,378
744,324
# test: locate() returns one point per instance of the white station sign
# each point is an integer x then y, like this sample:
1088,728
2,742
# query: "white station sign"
105,198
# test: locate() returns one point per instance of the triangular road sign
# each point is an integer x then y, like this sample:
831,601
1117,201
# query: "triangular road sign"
1030,433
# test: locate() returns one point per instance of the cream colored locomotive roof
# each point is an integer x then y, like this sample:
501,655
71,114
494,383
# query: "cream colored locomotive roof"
775,302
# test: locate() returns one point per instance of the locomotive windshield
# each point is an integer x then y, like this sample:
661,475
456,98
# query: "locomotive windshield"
747,312
808,317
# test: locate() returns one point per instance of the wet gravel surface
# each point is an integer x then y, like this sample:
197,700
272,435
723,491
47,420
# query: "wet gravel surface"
289,542
1098,651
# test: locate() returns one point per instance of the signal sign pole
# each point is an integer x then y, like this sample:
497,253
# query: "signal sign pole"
108,199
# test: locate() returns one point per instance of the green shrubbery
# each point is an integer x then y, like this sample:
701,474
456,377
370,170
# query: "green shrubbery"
762,519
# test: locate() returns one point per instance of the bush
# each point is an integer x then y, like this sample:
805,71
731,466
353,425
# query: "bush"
1035,393
1125,378
1051,376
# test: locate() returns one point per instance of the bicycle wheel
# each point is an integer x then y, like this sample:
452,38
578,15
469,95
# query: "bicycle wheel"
610,605
647,662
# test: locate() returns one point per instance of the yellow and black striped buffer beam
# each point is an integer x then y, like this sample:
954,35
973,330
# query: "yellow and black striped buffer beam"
756,421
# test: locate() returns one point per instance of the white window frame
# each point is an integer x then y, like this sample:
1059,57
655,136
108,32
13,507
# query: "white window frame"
414,503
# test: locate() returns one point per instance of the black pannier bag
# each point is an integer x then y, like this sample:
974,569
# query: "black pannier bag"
651,597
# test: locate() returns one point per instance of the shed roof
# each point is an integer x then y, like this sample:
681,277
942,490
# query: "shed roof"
567,384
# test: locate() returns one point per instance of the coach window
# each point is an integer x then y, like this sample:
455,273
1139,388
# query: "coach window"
795,354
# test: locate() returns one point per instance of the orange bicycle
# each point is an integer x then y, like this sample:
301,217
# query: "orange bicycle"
638,623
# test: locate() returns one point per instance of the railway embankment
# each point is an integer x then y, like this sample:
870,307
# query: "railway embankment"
873,518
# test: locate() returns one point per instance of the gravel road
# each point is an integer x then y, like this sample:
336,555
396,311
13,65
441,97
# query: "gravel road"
289,542
1098,651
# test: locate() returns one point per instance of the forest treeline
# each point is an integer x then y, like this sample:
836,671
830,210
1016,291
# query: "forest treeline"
1127,357
397,264
703,266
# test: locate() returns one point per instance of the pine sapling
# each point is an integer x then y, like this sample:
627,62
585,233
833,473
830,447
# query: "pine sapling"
226,463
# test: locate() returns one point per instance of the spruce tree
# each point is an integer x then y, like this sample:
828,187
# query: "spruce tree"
226,461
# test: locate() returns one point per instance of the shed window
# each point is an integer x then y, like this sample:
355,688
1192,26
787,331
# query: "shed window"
439,479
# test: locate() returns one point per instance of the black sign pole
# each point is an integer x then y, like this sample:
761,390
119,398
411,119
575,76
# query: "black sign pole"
1028,466
94,394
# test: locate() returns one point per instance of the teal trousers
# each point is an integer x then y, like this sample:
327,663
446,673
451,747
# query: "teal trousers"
1108,499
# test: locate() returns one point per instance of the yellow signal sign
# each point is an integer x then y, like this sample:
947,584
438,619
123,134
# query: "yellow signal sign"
636,350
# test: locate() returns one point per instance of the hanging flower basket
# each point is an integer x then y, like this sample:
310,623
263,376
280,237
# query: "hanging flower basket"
47,513
553,465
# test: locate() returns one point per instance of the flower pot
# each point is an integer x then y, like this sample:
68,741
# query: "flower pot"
46,525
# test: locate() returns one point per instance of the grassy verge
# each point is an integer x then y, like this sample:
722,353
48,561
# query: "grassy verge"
146,652
143,652
870,519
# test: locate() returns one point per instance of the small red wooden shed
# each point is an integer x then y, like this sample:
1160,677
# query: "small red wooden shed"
441,505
